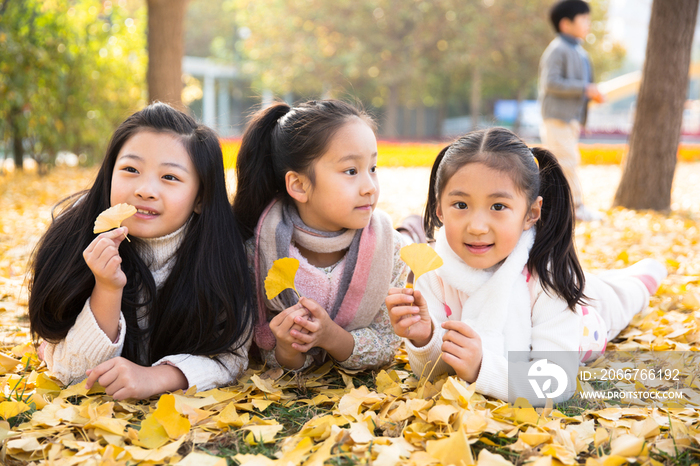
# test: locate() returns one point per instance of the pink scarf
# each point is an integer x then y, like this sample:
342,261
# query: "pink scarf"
366,276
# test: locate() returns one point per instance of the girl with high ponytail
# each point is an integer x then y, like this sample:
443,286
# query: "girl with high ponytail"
307,189
511,284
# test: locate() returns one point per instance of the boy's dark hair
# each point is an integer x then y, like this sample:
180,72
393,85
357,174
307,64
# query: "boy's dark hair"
567,9
205,305
280,139
553,254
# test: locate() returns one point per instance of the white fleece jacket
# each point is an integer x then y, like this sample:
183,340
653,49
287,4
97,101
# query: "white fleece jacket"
551,326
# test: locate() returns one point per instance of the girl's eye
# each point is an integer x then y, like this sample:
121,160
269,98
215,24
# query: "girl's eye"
351,171
498,207
170,177
373,169
130,169
460,205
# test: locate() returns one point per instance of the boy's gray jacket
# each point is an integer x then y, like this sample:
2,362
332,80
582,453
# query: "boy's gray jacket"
563,81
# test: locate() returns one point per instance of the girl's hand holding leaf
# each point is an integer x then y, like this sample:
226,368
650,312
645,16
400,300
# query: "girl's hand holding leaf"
103,259
281,326
102,256
408,312
319,330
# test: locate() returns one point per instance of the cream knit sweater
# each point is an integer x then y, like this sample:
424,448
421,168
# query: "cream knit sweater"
86,345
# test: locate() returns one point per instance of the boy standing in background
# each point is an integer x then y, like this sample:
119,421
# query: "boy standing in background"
565,87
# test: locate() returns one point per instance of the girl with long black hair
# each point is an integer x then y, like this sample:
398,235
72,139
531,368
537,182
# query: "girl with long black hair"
172,307
511,281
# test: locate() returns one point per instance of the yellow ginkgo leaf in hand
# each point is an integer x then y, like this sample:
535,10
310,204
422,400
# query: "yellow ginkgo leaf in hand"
281,276
113,217
421,258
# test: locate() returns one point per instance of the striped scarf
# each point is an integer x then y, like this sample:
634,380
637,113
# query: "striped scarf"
366,277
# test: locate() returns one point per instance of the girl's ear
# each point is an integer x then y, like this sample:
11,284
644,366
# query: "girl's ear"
297,186
438,211
534,214
198,206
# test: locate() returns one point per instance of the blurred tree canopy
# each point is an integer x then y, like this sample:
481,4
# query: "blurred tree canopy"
70,72
392,53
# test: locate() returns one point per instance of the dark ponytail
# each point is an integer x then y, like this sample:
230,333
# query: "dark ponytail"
553,255
280,139
257,184
430,219
535,172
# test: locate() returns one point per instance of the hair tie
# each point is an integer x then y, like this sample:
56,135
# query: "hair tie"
283,118
537,162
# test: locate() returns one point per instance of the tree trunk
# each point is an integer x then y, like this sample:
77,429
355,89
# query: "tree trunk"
165,51
648,172
17,136
391,118
475,104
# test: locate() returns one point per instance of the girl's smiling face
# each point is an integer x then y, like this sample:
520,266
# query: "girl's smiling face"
483,215
345,188
154,173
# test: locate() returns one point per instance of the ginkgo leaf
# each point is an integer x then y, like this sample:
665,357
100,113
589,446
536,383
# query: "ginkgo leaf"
172,421
10,409
281,276
421,259
152,433
113,217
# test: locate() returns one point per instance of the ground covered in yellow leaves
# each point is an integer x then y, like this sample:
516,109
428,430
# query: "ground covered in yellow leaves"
331,416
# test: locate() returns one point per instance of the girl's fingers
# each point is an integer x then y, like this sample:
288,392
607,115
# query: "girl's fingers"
456,338
114,387
298,327
419,299
313,307
121,394
400,291
97,372
407,322
450,347
108,378
400,312
114,237
285,320
305,324
460,327
399,299
283,315
450,359
302,348
302,338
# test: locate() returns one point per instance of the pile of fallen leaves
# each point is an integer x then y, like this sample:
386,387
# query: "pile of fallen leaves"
328,415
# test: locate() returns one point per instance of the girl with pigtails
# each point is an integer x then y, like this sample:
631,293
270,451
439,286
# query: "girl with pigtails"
307,188
511,281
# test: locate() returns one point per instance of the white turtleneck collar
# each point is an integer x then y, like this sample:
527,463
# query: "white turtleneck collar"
162,249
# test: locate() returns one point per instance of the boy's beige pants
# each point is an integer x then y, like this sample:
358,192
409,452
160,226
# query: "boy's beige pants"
561,138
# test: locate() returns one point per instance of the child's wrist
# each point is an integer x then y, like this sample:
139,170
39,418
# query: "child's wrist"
340,343
170,378
289,357
107,286
424,340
